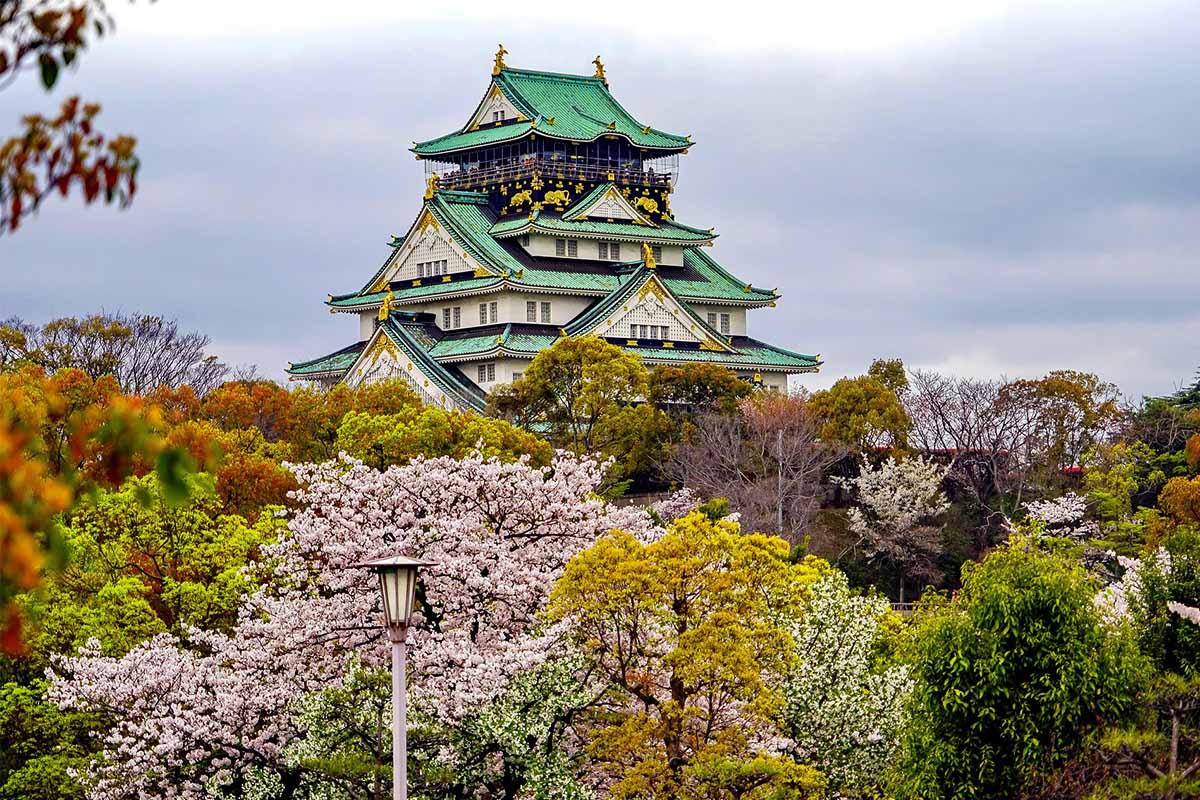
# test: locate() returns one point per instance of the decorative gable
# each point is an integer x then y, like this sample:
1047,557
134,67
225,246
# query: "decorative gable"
495,109
653,306
606,203
428,253
382,360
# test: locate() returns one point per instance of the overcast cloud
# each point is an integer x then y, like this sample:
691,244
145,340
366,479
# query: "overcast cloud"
1010,190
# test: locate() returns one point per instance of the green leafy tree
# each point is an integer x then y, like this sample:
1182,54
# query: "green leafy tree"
385,439
1012,676
863,413
687,633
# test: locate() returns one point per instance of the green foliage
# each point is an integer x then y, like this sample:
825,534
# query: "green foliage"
396,438
1012,676
862,413
890,372
39,744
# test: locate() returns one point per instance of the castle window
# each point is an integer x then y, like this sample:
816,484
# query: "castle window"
495,311
633,331
483,313
724,323
517,376
531,311
445,319
614,251
458,316
487,373
603,250
546,313
560,247
573,248
498,116
656,250
420,270
712,319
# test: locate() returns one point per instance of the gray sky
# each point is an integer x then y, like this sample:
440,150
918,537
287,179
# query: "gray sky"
984,188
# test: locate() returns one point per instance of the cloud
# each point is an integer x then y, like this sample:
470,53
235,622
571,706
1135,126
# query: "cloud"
1012,188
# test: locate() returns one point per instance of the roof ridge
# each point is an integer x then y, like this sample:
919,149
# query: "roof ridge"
542,73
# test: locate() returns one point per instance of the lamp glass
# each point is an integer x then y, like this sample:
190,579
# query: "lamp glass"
397,585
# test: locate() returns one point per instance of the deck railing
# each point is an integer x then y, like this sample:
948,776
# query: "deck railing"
587,170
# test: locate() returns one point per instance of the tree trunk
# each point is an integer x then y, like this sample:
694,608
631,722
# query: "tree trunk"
902,586
1174,762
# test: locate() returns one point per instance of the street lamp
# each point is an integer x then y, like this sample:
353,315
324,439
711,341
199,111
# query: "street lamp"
397,584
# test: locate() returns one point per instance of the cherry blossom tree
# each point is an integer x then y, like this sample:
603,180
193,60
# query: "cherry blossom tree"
209,713
844,714
897,502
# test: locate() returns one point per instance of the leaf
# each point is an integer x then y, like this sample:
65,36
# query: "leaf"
172,468
49,70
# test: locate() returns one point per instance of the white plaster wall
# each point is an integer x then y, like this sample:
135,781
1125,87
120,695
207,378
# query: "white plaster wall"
542,246
366,324
737,317
510,308
506,368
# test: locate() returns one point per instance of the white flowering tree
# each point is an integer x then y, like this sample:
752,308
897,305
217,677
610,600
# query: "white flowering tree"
1065,515
210,714
898,504
844,713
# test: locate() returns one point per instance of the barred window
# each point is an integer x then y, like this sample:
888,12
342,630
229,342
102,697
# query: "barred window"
494,310
445,319
560,247
633,331
656,250
614,251
572,248
531,311
483,313
546,313
724,323
458,316
603,248
482,373
712,319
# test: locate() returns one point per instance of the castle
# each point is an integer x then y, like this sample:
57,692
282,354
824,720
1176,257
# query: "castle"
548,214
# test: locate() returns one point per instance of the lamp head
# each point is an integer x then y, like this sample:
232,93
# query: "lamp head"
397,585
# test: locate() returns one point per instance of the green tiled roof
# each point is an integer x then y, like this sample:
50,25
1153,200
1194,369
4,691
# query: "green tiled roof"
335,362
448,378
519,339
670,232
748,353
633,282
468,219
709,280
582,108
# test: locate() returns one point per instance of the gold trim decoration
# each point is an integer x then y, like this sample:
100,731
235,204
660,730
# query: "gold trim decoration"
612,126
445,279
648,255
499,65
416,282
431,187
631,342
385,307
600,71
669,345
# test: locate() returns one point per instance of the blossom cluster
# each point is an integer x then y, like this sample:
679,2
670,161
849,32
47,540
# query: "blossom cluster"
199,710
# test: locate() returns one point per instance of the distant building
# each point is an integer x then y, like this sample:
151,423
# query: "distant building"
547,215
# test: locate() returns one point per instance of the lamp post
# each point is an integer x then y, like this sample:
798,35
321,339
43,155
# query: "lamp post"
397,583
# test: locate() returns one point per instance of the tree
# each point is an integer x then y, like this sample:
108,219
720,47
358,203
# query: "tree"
576,382
142,352
697,388
898,503
385,439
685,633
218,712
59,152
766,459
1011,676
1180,498
844,708
862,413
60,437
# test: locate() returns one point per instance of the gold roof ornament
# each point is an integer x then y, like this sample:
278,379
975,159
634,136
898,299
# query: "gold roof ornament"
499,65
431,187
648,256
600,70
385,307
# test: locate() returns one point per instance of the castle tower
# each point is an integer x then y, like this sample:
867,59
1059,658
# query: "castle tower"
547,214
